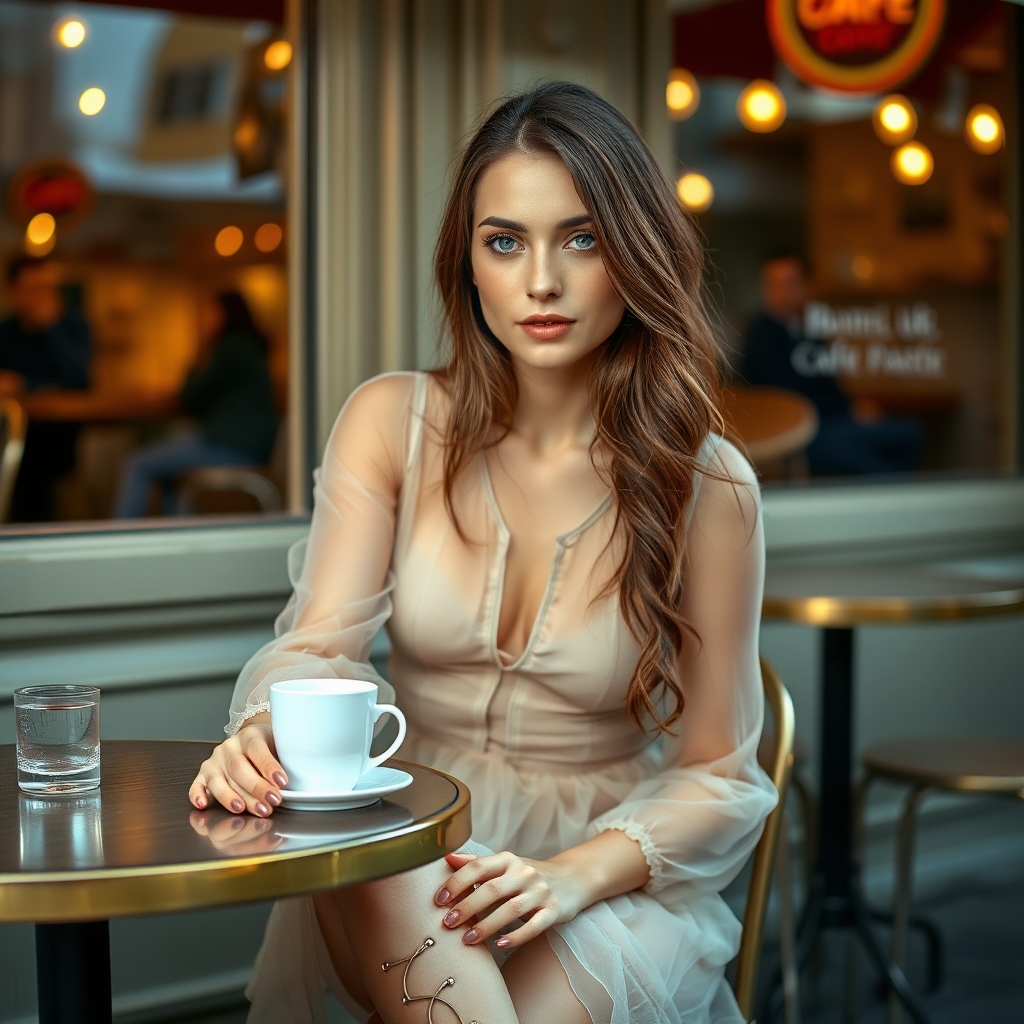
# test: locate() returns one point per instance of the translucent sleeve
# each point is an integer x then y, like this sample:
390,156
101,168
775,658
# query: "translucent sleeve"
339,573
700,817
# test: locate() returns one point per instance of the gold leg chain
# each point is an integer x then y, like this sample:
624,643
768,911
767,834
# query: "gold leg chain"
436,997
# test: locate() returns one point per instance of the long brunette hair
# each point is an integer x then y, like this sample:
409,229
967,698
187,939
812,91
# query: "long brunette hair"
653,384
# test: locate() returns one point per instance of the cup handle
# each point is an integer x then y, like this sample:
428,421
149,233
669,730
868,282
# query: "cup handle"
388,709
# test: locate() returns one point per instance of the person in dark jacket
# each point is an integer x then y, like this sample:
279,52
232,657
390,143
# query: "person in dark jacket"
853,436
42,345
229,393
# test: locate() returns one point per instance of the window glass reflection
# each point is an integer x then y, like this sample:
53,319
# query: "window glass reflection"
143,333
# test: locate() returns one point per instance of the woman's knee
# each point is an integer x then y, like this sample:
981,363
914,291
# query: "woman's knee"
406,896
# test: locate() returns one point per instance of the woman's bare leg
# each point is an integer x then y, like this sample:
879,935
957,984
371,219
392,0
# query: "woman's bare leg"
388,921
336,940
539,987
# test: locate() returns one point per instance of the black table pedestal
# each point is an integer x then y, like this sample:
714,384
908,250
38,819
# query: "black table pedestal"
836,900
73,973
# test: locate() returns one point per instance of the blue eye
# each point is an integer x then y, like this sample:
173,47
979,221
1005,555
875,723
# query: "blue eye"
503,244
584,242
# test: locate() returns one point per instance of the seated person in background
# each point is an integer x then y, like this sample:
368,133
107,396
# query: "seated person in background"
41,346
229,392
853,437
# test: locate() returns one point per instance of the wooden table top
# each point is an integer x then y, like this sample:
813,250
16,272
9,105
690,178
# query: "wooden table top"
771,422
837,594
58,405
137,846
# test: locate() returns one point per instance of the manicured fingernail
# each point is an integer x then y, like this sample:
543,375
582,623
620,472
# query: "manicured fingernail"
280,779
237,823
273,799
443,897
237,806
503,941
200,801
471,936
452,918
262,808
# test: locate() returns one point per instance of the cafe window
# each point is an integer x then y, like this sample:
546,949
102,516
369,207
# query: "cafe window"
848,165
143,241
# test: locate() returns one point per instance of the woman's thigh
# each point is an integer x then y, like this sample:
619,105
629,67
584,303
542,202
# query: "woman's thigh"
539,987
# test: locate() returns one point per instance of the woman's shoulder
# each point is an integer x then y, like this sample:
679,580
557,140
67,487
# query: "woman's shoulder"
726,483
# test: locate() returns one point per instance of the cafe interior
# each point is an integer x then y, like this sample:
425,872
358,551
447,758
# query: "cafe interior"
187,182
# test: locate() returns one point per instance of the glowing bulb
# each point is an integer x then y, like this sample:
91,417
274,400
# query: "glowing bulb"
682,95
91,101
268,237
863,267
912,163
895,119
761,106
695,192
71,34
278,55
984,129
41,228
228,240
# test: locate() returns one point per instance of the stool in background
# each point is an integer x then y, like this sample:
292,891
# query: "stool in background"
12,446
955,764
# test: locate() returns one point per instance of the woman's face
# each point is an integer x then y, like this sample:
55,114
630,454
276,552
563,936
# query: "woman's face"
543,287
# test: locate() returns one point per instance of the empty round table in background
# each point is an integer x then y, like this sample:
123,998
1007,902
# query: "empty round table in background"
136,846
837,598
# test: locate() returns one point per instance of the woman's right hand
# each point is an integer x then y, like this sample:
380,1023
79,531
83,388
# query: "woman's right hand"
242,773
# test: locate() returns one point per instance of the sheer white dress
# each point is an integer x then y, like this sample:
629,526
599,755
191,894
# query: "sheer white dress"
543,739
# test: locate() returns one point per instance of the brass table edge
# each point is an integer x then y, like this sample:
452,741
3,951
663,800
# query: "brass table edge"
100,894
854,611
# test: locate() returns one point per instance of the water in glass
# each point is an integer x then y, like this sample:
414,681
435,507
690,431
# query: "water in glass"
58,732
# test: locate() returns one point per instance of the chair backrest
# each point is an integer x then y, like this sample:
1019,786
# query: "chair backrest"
781,767
12,445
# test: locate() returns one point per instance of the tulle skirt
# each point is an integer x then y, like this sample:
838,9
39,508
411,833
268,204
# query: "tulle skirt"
638,958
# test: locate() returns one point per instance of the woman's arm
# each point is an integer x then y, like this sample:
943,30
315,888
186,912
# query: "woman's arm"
697,820
341,596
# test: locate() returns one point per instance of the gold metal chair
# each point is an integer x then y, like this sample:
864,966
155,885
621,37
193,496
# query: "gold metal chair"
781,767
13,424
953,763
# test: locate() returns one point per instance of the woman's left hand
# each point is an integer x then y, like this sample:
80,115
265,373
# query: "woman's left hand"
540,892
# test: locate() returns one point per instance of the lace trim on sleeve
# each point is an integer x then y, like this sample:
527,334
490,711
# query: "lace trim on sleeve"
640,834
239,718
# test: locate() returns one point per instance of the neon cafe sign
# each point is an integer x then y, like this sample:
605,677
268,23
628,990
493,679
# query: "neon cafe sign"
855,45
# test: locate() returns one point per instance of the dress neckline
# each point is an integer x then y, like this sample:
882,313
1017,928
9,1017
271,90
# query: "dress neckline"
503,659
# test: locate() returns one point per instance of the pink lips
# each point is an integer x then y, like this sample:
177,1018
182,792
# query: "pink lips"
546,327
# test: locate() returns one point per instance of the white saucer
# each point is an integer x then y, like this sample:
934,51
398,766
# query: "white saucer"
377,782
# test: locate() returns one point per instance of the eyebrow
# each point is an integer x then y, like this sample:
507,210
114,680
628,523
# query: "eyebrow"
514,225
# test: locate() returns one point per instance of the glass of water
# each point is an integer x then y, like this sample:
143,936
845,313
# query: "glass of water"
58,729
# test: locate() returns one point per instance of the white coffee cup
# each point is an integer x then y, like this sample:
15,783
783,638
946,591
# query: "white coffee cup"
322,731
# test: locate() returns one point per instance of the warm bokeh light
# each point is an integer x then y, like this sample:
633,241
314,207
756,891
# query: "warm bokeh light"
695,192
984,129
682,94
278,55
912,163
71,33
41,229
228,240
268,237
863,267
91,101
761,106
895,119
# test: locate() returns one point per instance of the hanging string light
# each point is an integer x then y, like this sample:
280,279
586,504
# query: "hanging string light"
682,94
894,119
695,192
761,106
984,129
912,163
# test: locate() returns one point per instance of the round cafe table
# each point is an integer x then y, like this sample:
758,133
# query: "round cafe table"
136,846
837,598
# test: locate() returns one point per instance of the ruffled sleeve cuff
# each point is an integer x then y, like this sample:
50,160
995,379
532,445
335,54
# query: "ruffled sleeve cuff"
639,834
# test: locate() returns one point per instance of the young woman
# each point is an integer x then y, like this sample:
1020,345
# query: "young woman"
569,561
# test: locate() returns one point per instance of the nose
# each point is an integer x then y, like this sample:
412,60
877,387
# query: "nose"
545,281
